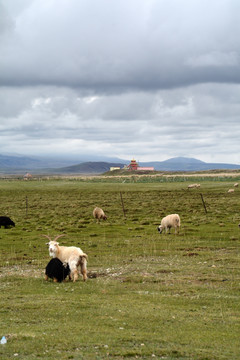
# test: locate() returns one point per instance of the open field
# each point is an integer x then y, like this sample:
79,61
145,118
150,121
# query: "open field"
148,295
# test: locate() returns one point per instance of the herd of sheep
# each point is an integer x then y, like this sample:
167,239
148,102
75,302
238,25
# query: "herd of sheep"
73,257
66,260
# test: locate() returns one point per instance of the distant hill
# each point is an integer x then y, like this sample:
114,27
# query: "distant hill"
88,168
25,163
9,162
18,164
173,164
45,165
188,164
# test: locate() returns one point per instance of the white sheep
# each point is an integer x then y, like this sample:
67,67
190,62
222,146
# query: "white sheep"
98,214
231,191
193,186
71,255
168,222
236,185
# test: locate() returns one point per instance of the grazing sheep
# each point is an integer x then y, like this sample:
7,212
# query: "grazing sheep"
6,222
56,270
236,185
71,255
231,191
98,214
193,186
168,222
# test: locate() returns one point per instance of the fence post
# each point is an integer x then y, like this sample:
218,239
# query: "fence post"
124,213
203,203
26,206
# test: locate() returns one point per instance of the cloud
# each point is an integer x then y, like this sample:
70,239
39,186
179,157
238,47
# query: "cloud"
107,46
133,123
214,58
150,79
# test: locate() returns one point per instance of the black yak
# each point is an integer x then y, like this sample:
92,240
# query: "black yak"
6,222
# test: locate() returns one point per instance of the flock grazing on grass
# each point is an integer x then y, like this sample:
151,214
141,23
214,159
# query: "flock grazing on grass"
67,260
232,190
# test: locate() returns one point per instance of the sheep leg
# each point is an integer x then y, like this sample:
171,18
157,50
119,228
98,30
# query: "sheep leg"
46,277
74,274
83,269
84,273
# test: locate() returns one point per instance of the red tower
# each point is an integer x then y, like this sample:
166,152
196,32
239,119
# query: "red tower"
133,165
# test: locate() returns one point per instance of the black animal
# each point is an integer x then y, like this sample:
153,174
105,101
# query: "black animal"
56,270
6,222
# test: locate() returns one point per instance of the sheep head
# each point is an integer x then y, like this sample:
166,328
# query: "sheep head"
53,245
53,248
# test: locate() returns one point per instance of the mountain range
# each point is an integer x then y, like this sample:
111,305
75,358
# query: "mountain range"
19,164
189,164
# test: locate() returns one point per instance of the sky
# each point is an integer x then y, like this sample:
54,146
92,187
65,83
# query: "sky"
143,79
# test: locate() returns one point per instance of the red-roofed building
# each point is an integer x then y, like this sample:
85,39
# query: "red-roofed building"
134,166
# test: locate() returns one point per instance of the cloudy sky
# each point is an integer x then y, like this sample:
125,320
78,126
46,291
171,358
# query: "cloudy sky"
149,79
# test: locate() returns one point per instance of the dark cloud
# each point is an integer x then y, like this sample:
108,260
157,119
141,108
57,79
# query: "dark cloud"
109,45
150,79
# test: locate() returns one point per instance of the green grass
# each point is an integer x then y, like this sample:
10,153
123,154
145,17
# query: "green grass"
148,295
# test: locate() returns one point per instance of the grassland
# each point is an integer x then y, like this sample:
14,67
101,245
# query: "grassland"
148,295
